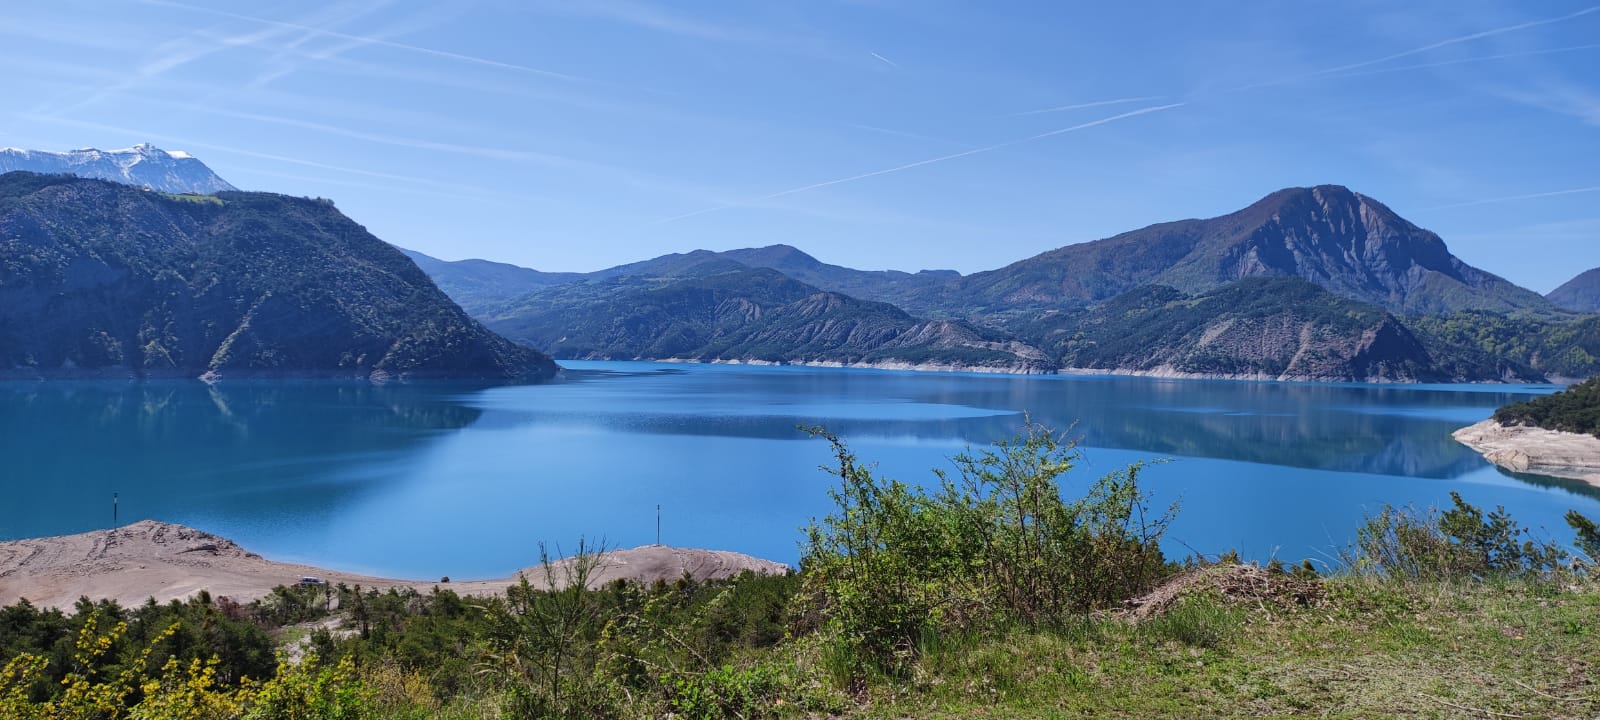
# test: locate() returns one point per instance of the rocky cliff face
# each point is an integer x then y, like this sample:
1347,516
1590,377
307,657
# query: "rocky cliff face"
1259,328
145,166
101,279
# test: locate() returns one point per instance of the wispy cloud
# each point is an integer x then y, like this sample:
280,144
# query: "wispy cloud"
184,143
1458,40
303,181
485,152
1515,198
199,44
1557,96
1469,60
374,41
1084,105
885,60
74,33
291,56
654,17
931,161
167,56
903,134
658,17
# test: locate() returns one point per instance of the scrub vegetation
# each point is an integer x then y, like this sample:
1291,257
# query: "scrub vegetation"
1002,588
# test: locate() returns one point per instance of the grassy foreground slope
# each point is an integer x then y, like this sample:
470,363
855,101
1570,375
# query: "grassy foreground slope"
985,595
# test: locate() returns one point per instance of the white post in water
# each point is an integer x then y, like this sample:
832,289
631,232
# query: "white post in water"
658,523
113,511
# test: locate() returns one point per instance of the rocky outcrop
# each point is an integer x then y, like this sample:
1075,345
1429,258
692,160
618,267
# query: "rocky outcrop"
1535,450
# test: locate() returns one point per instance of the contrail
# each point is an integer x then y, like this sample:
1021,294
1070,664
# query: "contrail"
370,40
891,63
1080,106
1458,40
1480,58
930,161
1512,198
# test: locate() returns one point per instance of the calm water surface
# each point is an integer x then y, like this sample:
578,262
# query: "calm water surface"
425,480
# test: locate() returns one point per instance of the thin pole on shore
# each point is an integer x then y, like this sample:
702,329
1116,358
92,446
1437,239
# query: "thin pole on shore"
658,523
113,511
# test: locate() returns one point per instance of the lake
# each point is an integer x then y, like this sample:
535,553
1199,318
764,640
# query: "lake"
429,479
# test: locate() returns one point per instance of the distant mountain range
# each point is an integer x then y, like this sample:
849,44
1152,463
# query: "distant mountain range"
1316,283
144,165
99,279
721,310
1580,294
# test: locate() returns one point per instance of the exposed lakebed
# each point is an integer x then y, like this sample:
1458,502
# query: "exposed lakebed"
418,480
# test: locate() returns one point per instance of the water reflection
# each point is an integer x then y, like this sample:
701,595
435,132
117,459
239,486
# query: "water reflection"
1381,430
429,479
176,449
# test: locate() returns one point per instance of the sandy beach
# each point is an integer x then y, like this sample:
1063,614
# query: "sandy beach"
151,559
1535,450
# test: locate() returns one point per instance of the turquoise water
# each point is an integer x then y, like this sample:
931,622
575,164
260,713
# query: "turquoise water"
424,480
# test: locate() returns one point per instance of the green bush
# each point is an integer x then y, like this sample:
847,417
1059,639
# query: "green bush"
1457,544
1588,540
894,564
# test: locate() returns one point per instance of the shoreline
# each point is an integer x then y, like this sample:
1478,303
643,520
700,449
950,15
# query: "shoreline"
1164,372
1572,456
164,561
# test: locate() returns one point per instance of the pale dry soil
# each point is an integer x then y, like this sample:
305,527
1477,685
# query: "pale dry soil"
152,559
1535,450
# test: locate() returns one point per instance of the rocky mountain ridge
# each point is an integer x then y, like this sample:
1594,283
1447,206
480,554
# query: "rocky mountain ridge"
142,165
1316,283
99,279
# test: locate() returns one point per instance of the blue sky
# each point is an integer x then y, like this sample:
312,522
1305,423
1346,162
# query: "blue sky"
580,134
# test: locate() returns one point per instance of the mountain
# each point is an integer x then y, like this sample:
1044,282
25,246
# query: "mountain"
1480,345
476,285
1256,328
892,286
145,166
480,284
1580,294
1373,297
105,280
717,309
1343,241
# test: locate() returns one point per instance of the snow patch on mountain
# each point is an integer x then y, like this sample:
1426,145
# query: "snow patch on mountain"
142,165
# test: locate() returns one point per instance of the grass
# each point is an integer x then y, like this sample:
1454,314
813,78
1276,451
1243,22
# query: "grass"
1374,649
193,198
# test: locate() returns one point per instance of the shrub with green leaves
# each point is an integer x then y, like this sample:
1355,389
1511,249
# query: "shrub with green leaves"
1588,540
894,565
1457,544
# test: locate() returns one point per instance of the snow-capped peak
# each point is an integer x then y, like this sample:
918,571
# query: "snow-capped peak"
144,165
